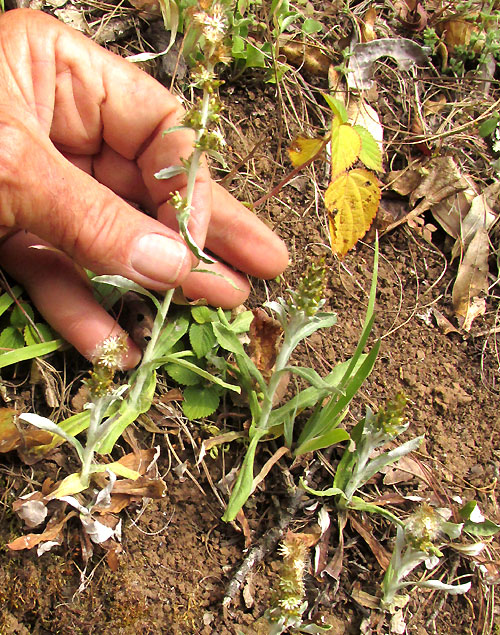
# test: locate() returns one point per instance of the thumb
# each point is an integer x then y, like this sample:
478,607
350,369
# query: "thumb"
42,192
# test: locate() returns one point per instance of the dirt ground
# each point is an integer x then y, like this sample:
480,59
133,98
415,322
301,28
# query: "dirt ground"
178,556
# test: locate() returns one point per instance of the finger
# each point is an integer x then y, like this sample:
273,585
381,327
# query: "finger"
97,96
62,296
63,205
238,237
222,287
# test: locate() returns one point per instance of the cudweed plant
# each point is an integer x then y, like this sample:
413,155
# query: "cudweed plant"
289,598
357,466
416,544
299,316
110,410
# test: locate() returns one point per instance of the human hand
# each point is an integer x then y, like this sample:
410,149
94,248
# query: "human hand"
80,135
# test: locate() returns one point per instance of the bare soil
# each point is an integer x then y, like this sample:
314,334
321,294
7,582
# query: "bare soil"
178,556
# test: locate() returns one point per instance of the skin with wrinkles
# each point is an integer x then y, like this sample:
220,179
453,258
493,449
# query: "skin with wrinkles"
81,138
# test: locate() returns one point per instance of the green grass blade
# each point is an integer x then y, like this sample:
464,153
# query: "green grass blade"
29,352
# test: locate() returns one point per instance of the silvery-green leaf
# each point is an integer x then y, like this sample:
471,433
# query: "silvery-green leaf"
452,589
168,173
50,426
127,285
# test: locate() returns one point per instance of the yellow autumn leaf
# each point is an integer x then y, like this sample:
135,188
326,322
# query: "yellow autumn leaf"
345,146
304,149
352,201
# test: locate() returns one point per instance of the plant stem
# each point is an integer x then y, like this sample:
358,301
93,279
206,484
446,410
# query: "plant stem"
150,353
286,350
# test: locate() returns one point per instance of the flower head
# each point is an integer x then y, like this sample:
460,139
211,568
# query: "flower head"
213,23
423,528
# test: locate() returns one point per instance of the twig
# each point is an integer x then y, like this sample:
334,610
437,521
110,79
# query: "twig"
267,542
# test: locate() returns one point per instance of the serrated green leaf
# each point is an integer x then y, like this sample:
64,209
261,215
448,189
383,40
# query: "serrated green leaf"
202,314
370,154
20,314
241,323
337,107
183,376
11,338
31,336
202,339
227,339
200,402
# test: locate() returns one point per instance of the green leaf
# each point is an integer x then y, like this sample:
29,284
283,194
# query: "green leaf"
311,396
337,435
31,336
241,323
11,338
486,528
312,377
333,412
29,352
6,299
244,483
488,127
200,402
255,58
203,314
127,285
337,107
128,414
370,154
177,358
312,26
202,339
330,491
22,315
359,504
181,375
170,335
227,339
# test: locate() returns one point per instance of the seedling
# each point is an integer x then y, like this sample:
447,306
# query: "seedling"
358,465
299,317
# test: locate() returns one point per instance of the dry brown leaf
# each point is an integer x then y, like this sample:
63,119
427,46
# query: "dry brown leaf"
438,179
382,555
443,324
245,527
458,31
367,26
480,215
32,540
434,106
472,280
312,58
265,334
404,470
139,462
143,486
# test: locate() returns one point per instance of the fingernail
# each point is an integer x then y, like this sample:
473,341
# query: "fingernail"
159,258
